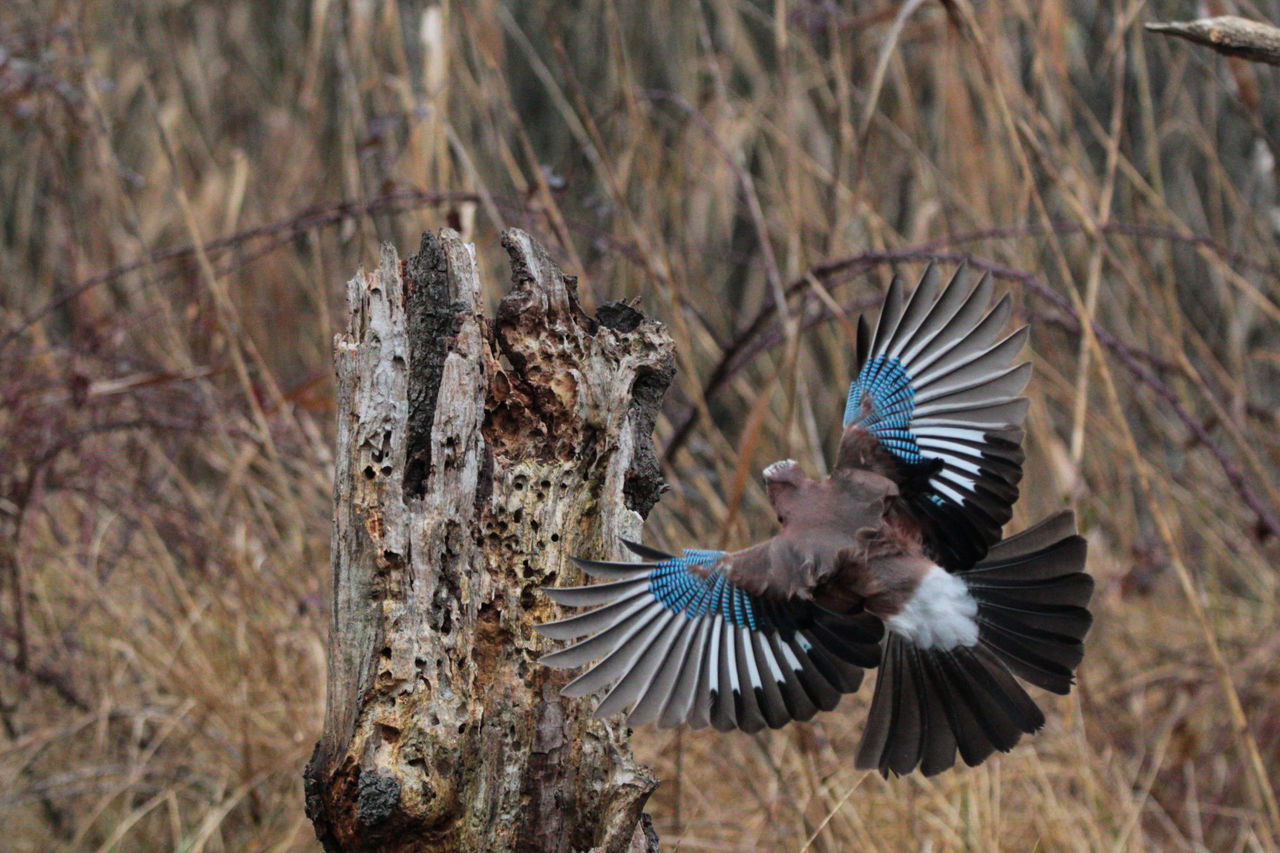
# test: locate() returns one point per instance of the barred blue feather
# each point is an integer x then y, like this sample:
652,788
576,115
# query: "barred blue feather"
887,387
678,589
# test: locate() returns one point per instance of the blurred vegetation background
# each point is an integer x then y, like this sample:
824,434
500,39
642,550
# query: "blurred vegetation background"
185,187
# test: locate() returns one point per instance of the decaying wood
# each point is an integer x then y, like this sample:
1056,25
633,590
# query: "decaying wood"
1228,35
474,457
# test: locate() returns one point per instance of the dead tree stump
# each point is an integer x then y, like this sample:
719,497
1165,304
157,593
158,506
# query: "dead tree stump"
474,457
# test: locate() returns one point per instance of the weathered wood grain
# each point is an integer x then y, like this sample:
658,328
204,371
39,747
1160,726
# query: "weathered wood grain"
474,457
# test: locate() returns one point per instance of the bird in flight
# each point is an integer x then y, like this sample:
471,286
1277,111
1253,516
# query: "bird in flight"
895,561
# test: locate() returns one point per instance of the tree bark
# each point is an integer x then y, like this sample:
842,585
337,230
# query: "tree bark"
474,457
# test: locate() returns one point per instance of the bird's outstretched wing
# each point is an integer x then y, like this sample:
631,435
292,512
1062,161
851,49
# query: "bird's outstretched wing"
937,388
679,641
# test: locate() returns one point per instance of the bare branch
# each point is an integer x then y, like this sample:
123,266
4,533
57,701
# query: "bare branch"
1228,35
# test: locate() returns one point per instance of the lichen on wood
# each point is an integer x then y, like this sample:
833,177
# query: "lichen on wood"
474,457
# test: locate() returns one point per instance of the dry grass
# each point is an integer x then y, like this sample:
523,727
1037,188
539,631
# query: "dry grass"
186,187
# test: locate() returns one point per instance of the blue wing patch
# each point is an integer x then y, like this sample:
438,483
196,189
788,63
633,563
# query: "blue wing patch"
712,594
886,385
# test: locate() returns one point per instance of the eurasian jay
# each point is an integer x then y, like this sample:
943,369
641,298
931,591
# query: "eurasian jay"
894,561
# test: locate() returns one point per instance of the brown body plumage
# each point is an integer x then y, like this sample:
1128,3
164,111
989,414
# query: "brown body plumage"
846,544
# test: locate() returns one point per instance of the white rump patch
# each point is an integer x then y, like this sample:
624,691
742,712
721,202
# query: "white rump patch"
941,614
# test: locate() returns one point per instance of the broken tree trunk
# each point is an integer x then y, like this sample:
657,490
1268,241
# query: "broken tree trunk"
474,457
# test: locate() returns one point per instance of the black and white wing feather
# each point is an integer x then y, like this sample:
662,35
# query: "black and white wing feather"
674,640
937,387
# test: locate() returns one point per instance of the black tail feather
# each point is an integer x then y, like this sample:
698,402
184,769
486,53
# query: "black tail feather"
938,750
1032,597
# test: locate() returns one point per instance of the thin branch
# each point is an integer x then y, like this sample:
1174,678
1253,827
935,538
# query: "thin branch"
1228,35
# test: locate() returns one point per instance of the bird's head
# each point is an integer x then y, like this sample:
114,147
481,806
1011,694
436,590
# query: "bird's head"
782,480
783,473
